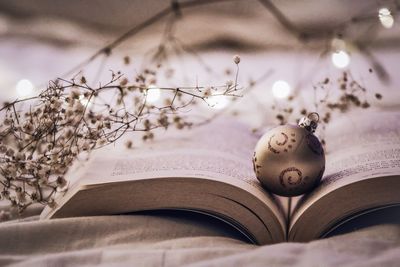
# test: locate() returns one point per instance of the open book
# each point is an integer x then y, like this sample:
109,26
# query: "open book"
209,170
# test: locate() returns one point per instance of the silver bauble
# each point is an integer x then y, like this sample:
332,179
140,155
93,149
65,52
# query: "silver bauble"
289,160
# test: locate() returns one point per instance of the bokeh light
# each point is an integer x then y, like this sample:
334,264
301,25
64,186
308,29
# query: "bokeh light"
218,101
153,94
340,59
85,101
386,18
281,89
24,88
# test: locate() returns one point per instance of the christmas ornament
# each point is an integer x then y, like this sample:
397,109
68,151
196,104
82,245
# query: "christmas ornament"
289,160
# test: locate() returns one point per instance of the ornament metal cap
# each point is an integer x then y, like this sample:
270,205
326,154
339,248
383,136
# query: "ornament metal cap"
310,123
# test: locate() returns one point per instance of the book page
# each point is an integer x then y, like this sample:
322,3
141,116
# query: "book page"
219,151
359,146
223,148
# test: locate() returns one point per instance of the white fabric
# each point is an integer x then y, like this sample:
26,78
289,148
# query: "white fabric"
163,240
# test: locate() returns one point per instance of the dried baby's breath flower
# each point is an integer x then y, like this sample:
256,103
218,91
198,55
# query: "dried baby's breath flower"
68,120
127,60
207,92
236,59
129,144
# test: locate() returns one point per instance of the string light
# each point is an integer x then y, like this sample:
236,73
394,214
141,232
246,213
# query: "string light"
281,89
386,18
24,88
153,94
340,59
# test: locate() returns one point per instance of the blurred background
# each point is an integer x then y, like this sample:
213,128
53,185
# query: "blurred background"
286,47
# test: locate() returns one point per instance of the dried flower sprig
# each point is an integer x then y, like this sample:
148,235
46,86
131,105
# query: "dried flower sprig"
70,118
329,96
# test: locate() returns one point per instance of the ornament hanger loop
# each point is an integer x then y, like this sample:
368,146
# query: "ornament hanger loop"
314,116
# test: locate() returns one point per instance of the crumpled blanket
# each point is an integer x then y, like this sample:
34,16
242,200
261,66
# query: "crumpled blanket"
170,240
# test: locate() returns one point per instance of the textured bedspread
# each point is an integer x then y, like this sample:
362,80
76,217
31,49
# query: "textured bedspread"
173,240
